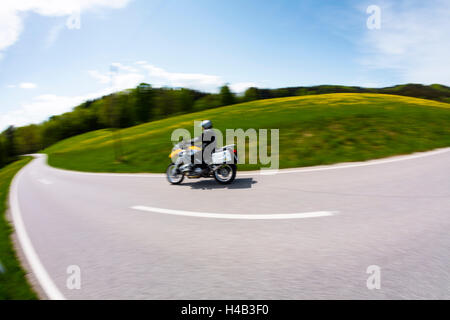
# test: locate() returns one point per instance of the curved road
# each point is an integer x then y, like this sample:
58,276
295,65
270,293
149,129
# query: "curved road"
137,237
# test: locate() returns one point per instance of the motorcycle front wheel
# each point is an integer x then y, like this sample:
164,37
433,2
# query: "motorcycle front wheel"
173,175
225,174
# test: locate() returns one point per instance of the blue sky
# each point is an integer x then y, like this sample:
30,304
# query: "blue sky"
47,66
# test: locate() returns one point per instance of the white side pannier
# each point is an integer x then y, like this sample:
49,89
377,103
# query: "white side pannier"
221,157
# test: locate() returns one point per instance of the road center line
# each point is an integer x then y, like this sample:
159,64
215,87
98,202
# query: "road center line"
45,181
303,215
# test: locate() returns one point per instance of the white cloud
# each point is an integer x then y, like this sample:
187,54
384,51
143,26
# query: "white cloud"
53,34
100,77
23,85
45,105
122,67
240,87
160,77
11,14
414,41
118,80
27,85
127,81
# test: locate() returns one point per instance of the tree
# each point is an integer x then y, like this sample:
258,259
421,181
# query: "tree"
144,103
226,96
282,92
165,102
10,148
2,152
207,102
186,100
251,94
27,139
301,92
50,133
114,111
117,115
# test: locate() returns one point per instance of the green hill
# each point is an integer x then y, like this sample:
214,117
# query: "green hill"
314,129
436,92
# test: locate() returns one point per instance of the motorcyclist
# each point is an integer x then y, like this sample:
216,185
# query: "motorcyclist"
207,142
193,158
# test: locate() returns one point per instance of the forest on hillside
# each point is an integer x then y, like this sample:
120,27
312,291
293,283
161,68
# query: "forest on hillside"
144,103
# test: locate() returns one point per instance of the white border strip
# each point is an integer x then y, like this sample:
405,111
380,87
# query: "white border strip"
43,157
315,214
352,165
38,269
266,171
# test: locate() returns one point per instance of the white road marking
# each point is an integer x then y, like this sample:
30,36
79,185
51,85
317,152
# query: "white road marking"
351,165
45,181
303,215
33,259
267,172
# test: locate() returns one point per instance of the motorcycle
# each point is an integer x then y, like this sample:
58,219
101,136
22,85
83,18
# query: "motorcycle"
222,165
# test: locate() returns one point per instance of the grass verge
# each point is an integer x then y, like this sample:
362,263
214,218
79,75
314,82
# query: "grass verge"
314,130
13,283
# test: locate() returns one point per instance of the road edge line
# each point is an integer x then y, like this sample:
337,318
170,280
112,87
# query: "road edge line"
396,158
37,267
334,166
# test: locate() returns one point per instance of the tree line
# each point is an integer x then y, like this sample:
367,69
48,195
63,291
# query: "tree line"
145,103
118,110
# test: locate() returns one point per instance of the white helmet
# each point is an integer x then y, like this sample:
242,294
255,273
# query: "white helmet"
207,124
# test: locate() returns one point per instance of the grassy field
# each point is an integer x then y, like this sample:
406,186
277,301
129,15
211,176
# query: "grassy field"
314,130
13,284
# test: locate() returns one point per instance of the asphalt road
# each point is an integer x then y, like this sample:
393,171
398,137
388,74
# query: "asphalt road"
137,237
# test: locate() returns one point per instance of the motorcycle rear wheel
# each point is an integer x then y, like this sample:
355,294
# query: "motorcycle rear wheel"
225,174
172,176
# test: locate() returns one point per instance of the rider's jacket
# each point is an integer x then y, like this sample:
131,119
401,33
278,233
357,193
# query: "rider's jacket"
207,141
